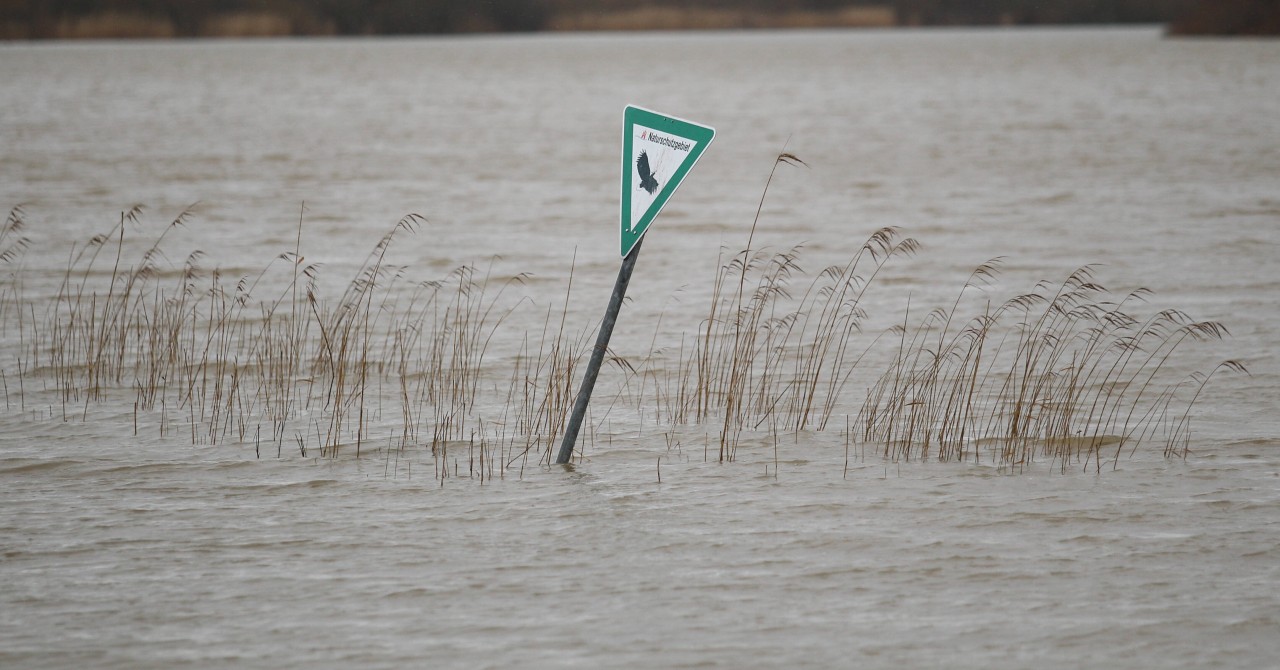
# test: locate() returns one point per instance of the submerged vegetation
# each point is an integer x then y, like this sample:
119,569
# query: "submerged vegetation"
1066,372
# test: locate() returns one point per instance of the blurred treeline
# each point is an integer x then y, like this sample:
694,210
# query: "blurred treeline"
1229,17
160,18
69,18
935,12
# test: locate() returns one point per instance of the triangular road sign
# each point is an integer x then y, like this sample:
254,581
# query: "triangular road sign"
657,153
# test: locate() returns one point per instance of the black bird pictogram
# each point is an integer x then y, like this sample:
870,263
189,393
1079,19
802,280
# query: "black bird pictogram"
647,182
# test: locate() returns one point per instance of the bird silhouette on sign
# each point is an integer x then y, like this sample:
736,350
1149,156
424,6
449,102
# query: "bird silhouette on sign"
647,182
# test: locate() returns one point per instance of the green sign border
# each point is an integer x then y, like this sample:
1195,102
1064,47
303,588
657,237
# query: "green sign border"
670,125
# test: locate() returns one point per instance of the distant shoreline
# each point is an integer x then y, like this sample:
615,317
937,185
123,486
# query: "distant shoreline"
1237,18
673,18
124,25
1224,17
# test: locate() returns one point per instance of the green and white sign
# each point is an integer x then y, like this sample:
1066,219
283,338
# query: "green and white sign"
657,153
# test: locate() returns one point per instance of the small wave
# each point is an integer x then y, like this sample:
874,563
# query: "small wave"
1262,553
1253,442
31,465
143,468
304,485
412,593
1057,198
1259,624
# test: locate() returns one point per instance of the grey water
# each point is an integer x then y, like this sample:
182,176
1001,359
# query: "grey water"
1157,159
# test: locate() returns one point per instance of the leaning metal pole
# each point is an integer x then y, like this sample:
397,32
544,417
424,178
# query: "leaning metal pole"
597,355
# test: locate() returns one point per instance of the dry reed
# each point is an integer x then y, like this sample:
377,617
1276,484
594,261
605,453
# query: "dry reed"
1065,372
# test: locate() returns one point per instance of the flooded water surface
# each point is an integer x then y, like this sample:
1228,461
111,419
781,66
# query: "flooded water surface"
202,497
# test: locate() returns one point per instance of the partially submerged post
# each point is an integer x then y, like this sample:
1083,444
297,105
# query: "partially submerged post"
657,152
597,356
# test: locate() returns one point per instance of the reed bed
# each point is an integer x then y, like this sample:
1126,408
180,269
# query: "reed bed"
267,358
1066,372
